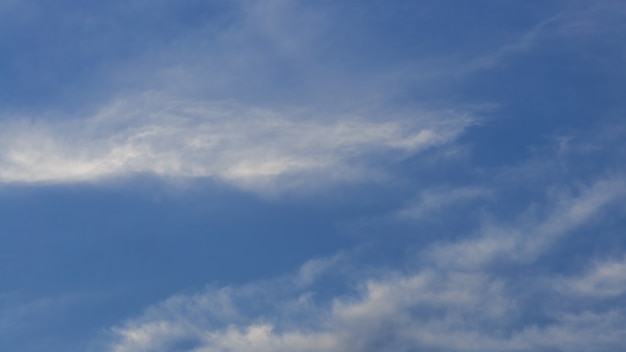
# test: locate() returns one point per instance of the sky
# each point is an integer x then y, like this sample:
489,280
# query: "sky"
290,175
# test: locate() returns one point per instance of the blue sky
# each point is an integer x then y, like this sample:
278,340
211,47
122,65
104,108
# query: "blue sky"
290,175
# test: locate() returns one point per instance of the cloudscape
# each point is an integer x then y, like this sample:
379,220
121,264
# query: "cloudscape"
290,175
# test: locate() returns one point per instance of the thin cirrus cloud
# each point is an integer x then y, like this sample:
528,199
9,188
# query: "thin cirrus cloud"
530,237
245,146
604,279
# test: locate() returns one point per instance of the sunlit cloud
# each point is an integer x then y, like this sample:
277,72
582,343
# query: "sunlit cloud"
246,146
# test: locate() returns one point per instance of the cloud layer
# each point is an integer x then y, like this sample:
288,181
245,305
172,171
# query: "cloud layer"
513,244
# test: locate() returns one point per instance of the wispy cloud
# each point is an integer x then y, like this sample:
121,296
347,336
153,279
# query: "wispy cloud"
603,279
451,301
245,146
433,201
531,236
287,95
456,311
478,293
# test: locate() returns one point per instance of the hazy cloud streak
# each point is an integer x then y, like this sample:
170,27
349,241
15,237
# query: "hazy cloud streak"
246,146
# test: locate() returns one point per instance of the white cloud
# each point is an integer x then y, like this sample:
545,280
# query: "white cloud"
428,310
451,302
313,269
531,236
246,146
386,314
602,280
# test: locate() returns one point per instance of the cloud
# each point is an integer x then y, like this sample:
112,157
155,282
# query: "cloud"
248,147
603,279
287,127
452,300
450,311
532,236
432,201
384,315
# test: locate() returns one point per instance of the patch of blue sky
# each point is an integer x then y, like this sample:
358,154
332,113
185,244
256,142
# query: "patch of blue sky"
298,176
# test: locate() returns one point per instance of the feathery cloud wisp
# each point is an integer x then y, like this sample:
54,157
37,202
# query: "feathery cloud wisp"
248,147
